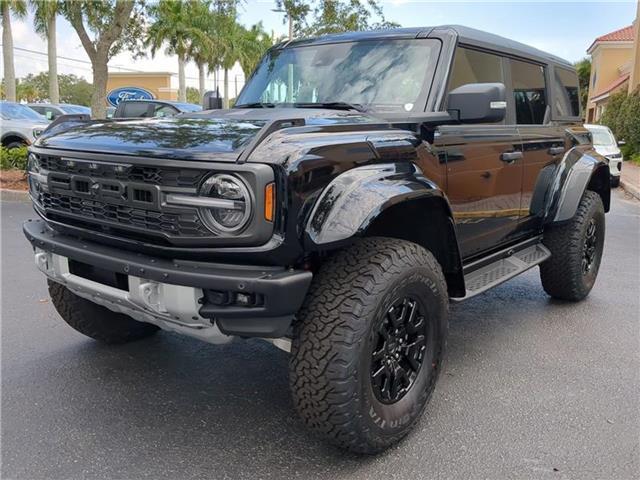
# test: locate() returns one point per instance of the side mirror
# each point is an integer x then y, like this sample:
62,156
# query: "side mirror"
478,103
621,143
49,115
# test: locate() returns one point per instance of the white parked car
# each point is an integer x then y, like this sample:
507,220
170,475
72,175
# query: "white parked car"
20,125
605,144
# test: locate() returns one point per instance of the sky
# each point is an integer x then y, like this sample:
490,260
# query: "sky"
563,28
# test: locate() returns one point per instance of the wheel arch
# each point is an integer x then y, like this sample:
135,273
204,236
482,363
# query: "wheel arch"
435,232
9,137
579,171
388,200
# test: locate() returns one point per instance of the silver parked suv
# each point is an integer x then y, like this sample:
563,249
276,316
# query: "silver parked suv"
605,144
20,125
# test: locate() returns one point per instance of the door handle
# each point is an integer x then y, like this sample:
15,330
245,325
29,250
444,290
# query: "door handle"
556,151
510,157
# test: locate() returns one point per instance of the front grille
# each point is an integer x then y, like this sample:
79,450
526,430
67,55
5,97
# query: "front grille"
171,177
119,199
184,224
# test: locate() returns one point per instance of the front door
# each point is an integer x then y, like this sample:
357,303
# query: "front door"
484,162
484,183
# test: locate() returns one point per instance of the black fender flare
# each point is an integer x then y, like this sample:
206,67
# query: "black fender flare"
366,200
580,169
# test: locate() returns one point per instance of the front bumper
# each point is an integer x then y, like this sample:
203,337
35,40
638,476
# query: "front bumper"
177,295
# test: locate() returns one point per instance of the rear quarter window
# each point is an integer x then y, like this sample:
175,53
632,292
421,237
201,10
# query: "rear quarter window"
566,93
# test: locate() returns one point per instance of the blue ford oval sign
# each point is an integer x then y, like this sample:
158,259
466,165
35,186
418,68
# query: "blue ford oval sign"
117,95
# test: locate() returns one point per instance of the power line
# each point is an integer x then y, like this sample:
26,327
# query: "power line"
36,52
73,59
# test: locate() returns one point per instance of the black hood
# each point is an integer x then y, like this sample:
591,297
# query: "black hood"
213,135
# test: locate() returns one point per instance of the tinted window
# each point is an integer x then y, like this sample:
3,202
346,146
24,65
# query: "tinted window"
471,66
529,92
136,109
567,99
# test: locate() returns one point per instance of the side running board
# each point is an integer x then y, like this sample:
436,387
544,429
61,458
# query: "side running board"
487,273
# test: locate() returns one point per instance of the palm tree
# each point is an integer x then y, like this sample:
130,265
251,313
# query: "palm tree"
175,24
19,9
202,48
234,47
45,13
257,42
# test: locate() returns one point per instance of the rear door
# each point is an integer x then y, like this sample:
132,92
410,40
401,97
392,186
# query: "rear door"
543,142
484,165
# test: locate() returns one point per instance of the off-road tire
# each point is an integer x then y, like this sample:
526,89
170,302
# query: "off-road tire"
330,367
562,275
96,321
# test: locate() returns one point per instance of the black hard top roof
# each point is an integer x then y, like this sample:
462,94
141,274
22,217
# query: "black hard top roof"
466,35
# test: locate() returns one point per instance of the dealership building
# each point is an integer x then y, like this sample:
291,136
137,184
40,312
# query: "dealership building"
162,85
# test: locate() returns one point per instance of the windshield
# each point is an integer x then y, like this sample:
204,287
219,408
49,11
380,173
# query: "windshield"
389,75
602,137
75,109
15,111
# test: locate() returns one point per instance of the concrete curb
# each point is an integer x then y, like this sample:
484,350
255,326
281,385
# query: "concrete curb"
7,195
630,189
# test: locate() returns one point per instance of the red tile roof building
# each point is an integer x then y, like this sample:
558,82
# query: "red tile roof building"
613,67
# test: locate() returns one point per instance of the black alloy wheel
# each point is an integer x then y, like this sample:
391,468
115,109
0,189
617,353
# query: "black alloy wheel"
398,350
590,249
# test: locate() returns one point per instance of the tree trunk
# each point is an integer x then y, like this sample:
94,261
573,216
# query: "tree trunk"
201,79
7,55
215,82
225,103
99,95
182,81
54,91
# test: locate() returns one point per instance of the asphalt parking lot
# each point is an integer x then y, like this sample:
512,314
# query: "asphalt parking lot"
533,388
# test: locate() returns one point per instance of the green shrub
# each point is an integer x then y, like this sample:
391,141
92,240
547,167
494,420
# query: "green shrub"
622,116
612,115
15,158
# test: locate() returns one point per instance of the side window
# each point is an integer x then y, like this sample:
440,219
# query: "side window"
567,99
472,66
529,92
50,113
136,109
165,111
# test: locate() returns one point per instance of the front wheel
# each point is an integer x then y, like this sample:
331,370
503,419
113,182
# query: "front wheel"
369,343
96,321
576,251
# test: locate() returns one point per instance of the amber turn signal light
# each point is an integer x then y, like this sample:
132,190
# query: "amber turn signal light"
269,202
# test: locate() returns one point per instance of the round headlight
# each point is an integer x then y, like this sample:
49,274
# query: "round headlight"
33,163
233,211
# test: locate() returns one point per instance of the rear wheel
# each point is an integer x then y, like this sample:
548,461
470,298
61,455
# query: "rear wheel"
576,251
96,321
369,343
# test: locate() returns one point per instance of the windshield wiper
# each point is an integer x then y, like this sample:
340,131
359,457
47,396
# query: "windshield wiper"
332,105
256,105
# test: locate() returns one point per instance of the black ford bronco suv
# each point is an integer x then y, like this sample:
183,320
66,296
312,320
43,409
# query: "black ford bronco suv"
361,182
